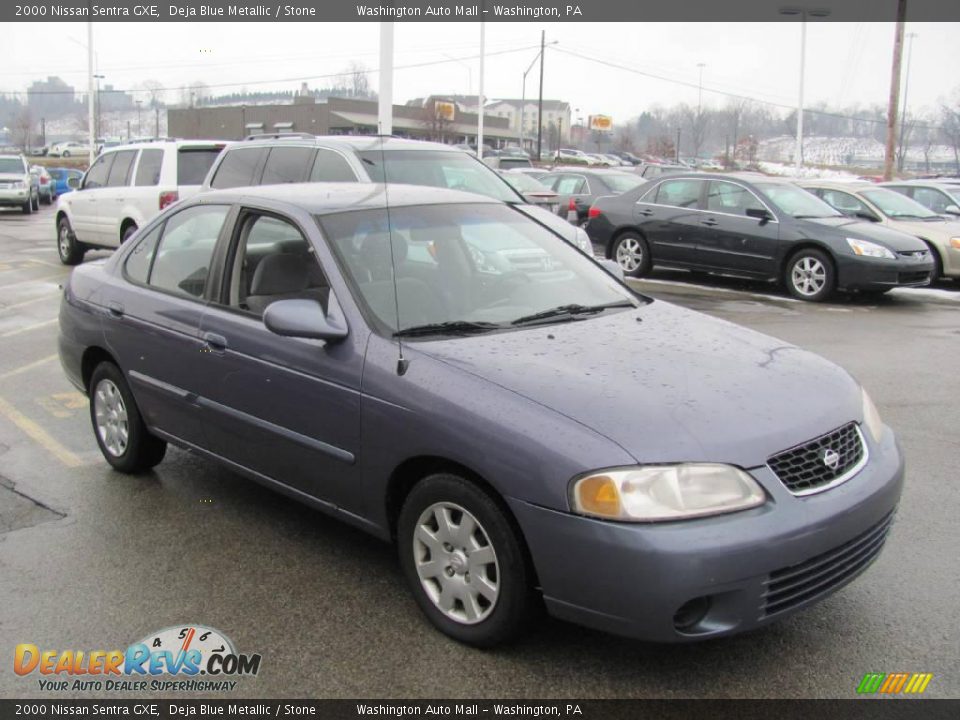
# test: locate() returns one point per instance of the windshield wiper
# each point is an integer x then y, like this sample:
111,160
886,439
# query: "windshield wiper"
569,311
452,327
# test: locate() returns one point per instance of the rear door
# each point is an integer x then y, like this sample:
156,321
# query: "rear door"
730,239
240,167
111,211
671,219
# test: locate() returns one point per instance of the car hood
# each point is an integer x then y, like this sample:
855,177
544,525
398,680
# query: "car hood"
666,384
860,230
941,230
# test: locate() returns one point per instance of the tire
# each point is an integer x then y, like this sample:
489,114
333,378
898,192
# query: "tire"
937,273
632,254
36,203
128,231
117,425
66,153
495,604
810,275
70,250
27,207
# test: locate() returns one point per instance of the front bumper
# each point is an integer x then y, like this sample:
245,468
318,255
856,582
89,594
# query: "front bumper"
650,581
863,273
10,196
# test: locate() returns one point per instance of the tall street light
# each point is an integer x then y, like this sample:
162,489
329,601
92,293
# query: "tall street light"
903,110
98,78
700,88
803,13
523,92
139,130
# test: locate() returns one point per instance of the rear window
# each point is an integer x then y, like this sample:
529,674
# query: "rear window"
621,182
237,168
194,164
514,162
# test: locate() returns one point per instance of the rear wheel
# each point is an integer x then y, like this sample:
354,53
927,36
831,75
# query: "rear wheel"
631,253
121,434
810,275
36,203
27,207
70,250
464,561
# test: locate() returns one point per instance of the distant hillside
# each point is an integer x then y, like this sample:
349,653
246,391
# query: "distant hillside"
845,152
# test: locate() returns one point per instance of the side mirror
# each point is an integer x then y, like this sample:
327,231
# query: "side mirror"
73,182
761,214
613,267
952,210
305,319
866,215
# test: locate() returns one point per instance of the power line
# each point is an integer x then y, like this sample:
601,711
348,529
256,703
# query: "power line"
738,96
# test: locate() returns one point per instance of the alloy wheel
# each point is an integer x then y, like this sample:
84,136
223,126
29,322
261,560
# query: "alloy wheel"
630,254
63,241
808,276
111,417
456,563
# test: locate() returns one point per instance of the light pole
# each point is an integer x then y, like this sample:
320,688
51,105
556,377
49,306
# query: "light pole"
804,13
700,88
139,129
523,92
98,78
480,100
903,110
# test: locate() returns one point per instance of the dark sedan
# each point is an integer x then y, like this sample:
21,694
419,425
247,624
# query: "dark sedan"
760,228
579,188
424,372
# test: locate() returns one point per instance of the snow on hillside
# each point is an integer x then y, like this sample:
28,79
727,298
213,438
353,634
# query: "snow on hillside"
839,151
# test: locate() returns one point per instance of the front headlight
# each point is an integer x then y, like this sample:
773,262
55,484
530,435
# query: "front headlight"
665,492
871,417
955,243
869,249
19,184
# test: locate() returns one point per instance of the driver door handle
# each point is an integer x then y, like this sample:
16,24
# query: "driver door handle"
215,341
710,221
646,211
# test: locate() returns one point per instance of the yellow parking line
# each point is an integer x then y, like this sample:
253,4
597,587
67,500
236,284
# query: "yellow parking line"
39,435
28,328
27,368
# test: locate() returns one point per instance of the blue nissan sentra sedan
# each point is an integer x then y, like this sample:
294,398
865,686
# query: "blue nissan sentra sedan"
446,373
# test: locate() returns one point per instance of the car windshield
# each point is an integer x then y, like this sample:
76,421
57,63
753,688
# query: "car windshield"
438,168
797,202
894,205
483,266
622,182
525,183
11,165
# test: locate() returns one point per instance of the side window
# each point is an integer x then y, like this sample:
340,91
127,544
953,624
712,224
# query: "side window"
680,193
96,176
148,171
137,265
331,166
933,199
844,202
182,260
569,185
286,165
122,164
724,197
237,168
273,261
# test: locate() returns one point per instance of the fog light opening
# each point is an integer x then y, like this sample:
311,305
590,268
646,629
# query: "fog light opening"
691,614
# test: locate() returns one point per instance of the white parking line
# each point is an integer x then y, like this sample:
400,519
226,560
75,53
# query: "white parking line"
26,368
28,328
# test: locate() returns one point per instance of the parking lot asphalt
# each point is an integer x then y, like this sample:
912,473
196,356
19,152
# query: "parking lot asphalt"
91,559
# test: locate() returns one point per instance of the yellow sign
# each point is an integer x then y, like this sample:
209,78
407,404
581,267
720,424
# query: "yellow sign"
445,110
601,123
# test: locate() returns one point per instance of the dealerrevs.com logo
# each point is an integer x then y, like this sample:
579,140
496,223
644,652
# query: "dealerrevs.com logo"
180,658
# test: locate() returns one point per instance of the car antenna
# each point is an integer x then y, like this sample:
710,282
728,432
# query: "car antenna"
402,362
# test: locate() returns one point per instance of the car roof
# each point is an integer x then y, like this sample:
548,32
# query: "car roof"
324,198
354,142
852,185
144,145
921,183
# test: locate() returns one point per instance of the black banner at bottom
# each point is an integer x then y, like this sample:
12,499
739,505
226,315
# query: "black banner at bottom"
857,709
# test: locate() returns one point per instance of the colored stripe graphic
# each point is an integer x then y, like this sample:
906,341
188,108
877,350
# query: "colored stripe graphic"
894,683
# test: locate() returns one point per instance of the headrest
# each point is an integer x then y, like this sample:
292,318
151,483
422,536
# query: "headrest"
280,274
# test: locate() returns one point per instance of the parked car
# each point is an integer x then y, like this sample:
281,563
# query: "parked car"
628,156
573,157
124,188
61,178
578,188
358,158
507,162
534,191
866,201
942,198
68,149
18,186
46,186
262,328
761,228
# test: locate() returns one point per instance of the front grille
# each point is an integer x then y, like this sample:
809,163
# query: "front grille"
792,586
910,278
809,467
913,253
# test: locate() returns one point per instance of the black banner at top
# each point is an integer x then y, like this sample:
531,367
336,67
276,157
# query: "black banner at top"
485,10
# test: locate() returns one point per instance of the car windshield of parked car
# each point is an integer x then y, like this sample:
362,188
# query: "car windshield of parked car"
11,165
465,267
438,168
622,182
797,202
894,205
525,183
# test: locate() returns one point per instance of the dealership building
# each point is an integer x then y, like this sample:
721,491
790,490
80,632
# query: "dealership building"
336,116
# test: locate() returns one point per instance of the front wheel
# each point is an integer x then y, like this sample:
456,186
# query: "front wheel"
36,203
27,207
632,254
810,275
464,561
121,434
70,250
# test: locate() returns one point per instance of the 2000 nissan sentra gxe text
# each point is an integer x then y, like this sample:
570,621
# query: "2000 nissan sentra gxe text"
453,376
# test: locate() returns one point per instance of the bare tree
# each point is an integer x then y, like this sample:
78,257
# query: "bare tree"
194,93
950,129
436,123
903,142
23,127
354,81
154,91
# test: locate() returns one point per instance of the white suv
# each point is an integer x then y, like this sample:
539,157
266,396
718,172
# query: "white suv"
125,187
18,186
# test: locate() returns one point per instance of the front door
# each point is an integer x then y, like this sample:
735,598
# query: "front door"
732,240
84,203
287,408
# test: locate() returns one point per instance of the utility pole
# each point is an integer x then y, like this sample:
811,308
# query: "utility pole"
93,140
139,127
700,89
903,112
894,91
156,120
543,42
678,144
480,102
385,100
43,131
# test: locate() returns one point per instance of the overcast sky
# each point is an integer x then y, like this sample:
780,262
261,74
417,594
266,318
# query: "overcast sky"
846,62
